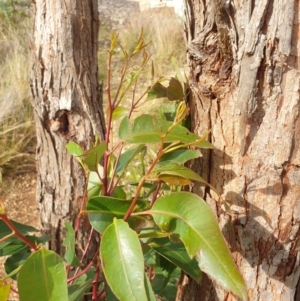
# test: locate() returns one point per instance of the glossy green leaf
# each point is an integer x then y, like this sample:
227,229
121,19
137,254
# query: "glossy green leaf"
127,157
43,277
122,262
102,210
69,242
148,129
94,155
179,156
190,217
4,291
177,254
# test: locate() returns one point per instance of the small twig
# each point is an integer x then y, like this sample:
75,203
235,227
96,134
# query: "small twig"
16,232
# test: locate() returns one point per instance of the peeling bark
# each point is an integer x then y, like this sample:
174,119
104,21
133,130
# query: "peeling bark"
68,105
244,62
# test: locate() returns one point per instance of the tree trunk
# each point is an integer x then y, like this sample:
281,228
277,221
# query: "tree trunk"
68,105
244,78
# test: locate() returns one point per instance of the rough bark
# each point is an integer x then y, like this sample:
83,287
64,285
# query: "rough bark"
68,105
244,62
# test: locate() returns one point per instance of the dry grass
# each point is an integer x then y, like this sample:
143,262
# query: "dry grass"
165,32
16,118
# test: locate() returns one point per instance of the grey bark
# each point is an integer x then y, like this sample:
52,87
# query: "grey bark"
244,78
67,103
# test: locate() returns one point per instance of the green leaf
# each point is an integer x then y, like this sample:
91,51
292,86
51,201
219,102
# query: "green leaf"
102,210
176,171
177,254
4,291
12,246
94,183
69,242
122,262
164,270
43,277
187,215
148,129
169,292
74,149
94,155
149,290
77,290
157,91
127,157
179,156
124,128
23,229
81,285
14,262
110,295
119,112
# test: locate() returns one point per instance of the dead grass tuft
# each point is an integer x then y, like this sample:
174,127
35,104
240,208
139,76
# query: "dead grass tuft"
17,132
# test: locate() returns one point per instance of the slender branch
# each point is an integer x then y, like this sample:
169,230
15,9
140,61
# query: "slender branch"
142,182
95,284
17,233
115,103
112,186
70,280
155,193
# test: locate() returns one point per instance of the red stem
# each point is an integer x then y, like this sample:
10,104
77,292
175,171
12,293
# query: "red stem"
16,232
154,195
141,184
95,284
70,280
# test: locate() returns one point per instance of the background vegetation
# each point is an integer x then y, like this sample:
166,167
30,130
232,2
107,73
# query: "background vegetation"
16,122
17,134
